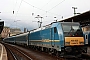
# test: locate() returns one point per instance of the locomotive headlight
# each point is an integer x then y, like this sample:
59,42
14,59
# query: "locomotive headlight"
67,43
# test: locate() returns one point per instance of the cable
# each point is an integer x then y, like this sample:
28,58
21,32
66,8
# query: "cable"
19,6
56,5
33,5
18,9
15,5
46,3
38,8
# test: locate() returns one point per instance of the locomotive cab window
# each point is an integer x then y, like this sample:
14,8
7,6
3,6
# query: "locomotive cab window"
72,29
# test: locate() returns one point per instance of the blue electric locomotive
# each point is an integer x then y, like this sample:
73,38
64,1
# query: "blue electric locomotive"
58,38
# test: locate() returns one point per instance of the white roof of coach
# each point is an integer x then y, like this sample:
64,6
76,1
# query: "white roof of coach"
22,34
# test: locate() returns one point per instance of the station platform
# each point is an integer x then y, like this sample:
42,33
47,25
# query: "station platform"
3,53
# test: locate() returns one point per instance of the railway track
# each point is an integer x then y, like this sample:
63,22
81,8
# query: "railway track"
10,54
30,54
15,54
81,57
34,55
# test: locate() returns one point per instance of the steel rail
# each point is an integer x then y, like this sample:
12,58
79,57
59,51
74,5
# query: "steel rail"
24,54
12,53
21,52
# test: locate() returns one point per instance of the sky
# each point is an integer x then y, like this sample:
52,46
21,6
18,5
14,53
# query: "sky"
26,11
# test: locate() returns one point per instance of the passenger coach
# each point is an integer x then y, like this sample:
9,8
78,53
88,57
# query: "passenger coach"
87,37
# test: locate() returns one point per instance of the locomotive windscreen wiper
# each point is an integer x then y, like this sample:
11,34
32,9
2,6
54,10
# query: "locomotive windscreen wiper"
71,30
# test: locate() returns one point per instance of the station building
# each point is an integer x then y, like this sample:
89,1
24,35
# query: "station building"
7,31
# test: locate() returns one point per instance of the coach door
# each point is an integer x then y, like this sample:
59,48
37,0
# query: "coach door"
27,38
53,32
86,38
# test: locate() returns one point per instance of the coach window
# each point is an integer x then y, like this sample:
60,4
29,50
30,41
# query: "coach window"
55,29
86,36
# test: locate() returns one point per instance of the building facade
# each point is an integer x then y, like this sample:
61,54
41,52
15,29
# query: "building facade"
86,28
14,31
7,31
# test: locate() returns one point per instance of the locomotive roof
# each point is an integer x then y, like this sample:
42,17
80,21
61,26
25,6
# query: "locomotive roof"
49,25
70,22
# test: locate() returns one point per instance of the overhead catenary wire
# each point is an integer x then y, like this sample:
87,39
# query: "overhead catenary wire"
48,11
17,10
15,15
19,6
46,3
53,8
14,6
42,9
56,5
34,6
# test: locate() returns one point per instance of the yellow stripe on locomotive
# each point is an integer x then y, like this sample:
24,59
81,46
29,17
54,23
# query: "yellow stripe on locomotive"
73,41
